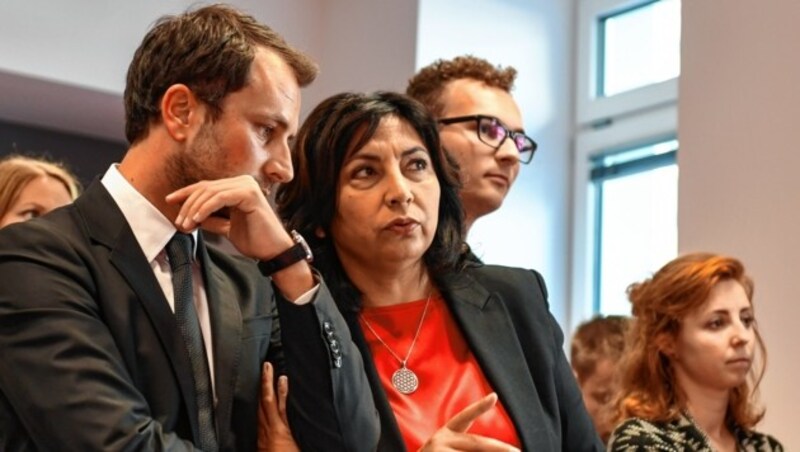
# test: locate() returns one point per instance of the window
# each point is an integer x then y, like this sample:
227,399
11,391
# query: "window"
638,47
628,57
636,198
625,166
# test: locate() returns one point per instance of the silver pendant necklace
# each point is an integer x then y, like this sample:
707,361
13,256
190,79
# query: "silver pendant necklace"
403,379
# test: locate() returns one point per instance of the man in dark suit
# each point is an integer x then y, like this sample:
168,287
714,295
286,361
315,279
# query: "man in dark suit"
97,351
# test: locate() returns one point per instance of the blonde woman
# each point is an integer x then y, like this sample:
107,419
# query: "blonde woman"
31,187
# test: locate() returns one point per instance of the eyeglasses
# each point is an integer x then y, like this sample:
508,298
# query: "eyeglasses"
494,133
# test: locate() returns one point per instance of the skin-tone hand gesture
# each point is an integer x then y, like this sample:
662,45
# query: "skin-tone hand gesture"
252,227
273,426
453,436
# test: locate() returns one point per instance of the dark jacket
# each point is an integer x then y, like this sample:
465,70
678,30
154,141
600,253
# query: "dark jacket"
504,317
91,357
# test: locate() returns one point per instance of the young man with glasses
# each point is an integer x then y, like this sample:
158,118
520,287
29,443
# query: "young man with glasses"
481,127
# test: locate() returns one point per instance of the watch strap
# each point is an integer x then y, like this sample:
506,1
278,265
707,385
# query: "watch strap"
296,253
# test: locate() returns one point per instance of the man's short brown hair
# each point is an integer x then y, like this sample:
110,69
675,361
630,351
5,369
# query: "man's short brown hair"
210,50
428,84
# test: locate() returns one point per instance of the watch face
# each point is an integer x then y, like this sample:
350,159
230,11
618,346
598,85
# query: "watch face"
302,242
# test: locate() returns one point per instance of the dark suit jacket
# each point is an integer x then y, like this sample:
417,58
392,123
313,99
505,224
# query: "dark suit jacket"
91,357
504,316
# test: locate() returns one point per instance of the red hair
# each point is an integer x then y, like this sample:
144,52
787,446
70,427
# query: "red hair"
648,388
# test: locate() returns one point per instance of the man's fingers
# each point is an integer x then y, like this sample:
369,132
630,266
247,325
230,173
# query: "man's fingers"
202,199
202,203
179,195
463,420
217,225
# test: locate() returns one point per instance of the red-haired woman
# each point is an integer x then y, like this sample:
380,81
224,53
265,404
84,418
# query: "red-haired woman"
688,382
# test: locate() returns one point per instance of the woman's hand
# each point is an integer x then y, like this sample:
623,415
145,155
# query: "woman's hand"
453,436
274,434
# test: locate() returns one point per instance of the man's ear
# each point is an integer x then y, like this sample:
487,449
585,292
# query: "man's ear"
319,232
181,111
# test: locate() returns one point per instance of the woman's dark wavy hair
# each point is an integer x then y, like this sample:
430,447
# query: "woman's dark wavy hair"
338,126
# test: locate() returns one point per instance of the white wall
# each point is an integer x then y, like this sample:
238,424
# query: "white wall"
364,45
63,64
531,228
739,115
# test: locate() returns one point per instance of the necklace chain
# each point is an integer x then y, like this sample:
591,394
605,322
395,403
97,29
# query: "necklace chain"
413,342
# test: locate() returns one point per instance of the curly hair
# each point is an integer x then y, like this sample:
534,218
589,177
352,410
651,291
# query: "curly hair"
648,389
338,126
429,83
210,50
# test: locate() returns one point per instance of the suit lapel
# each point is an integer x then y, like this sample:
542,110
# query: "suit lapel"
226,332
391,439
106,225
488,329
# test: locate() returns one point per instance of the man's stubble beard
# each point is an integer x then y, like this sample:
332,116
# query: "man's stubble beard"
198,161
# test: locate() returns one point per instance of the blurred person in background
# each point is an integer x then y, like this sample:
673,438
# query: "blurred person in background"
31,186
595,351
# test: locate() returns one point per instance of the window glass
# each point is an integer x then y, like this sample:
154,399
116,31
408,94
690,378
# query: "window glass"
637,224
639,46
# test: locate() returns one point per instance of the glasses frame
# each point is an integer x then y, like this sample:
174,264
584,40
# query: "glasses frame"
509,133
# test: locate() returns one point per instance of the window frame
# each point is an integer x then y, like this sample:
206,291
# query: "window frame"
590,108
590,143
616,171
602,125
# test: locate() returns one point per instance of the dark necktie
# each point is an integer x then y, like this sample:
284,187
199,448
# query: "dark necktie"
179,252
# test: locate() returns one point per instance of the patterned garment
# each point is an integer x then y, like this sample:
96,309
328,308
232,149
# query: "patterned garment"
639,435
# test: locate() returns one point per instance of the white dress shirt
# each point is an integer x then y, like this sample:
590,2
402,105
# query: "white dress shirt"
153,230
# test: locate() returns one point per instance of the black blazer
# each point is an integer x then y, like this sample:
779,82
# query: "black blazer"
504,316
91,357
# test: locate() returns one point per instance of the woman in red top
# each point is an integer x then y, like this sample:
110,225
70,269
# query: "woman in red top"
460,355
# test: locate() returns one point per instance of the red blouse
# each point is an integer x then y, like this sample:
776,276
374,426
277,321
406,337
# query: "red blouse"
449,376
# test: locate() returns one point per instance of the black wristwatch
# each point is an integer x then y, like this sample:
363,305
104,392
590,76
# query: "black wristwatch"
298,252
